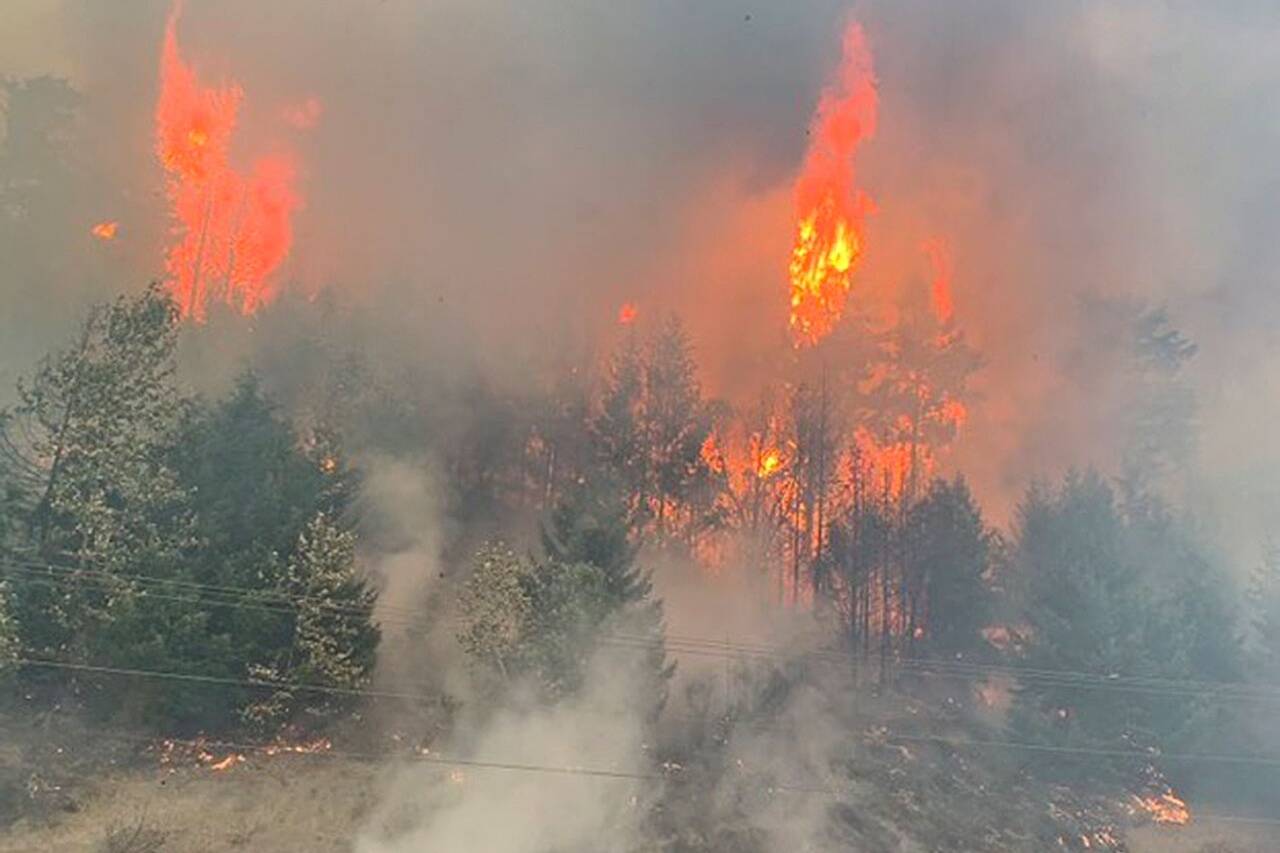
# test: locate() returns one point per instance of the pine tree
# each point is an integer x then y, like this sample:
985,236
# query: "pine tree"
332,637
677,422
617,430
1158,423
948,550
495,609
589,528
1111,594
1264,607
87,470
254,486
10,645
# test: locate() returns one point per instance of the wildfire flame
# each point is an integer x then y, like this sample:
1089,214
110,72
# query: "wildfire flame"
204,753
829,207
770,462
1165,808
628,313
232,231
105,231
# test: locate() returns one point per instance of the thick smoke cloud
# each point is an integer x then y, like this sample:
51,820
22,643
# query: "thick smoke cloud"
490,176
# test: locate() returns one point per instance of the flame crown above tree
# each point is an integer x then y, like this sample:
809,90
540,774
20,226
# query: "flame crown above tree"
231,231
830,208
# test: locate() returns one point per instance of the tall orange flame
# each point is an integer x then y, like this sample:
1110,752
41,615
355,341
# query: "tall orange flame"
830,209
231,232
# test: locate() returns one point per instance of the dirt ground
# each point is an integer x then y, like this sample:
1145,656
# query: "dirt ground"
290,804
314,804
1202,834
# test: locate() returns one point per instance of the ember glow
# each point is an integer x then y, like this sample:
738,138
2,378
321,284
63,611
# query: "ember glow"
231,231
105,231
1165,808
628,313
216,757
830,208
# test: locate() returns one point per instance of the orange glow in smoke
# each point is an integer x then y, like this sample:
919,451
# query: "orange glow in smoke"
105,230
939,254
303,115
628,313
830,209
231,232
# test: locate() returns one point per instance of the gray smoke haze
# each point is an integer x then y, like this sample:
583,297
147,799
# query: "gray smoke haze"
495,803
490,176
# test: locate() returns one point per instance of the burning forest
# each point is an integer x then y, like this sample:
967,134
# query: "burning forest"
663,430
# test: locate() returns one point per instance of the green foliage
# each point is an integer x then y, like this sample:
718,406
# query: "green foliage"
495,609
1158,427
569,603
589,528
544,618
89,479
1110,593
254,489
650,430
9,638
330,639
150,532
948,556
1264,611
530,619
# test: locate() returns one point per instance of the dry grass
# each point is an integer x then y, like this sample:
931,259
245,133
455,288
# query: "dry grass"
137,837
287,804
1205,837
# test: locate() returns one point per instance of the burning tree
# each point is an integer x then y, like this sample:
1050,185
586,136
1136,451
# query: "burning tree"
830,209
233,230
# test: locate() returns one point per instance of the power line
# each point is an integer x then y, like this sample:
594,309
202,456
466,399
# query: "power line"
530,767
967,671
352,691
1095,751
270,601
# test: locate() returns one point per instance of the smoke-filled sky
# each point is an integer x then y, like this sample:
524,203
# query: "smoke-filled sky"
498,175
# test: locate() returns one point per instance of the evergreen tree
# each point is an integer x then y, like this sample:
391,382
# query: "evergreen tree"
618,432
589,529
89,478
948,551
495,609
1116,595
569,604
10,645
590,526
331,636
1264,611
677,422
254,486
267,511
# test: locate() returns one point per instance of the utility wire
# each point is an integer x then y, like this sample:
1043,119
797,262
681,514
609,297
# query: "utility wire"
353,691
280,602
